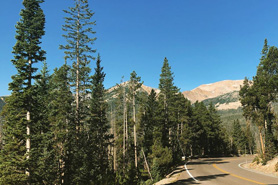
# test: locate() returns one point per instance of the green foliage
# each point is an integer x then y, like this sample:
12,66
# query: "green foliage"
80,38
256,159
167,108
239,138
14,160
148,123
162,160
97,137
61,137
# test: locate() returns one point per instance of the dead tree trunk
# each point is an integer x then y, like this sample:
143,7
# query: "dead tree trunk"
134,128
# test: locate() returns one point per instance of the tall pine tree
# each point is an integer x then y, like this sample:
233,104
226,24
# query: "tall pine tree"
134,84
79,36
62,128
98,139
166,98
15,165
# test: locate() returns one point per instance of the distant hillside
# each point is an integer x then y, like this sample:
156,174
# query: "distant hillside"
144,88
112,92
226,101
213,90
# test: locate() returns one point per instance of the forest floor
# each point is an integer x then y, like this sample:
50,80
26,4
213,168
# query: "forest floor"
172,177
268,169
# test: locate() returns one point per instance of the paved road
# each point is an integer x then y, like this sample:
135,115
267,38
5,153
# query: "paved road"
222,171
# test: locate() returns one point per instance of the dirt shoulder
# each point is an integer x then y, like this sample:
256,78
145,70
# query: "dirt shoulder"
268,169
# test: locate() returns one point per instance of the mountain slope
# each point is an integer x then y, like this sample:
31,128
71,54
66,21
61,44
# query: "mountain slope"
226,101
213,90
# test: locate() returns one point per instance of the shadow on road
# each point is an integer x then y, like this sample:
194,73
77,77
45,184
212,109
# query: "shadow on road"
207,162
199,178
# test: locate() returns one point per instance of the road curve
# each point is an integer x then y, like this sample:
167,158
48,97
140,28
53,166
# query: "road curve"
222,171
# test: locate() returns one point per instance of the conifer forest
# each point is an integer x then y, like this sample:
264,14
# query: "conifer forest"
65,127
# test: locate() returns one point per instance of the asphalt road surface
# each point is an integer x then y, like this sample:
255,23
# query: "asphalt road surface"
222,171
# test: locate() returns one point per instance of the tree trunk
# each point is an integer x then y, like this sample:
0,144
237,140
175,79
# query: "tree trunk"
28,118
124,123
146,162
262,142
134,127
77,71
28,141
114,148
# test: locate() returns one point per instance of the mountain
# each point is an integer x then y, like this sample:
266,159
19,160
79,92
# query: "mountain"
225,102
145,88
208,91
224,95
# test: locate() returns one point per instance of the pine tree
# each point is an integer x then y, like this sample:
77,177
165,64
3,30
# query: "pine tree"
98,137
148,122
186,134
166,103
134,84
257,99
166,139
79,37
15,166
41,130
239,138
199,128
216,134
62,128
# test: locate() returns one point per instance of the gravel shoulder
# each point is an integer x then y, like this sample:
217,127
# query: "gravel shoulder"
268,169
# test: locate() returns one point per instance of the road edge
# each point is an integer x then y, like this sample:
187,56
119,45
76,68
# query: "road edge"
255,171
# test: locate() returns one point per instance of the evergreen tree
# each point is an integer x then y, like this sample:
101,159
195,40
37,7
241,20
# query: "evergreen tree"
165,139
186,135
166,104
79,37
97,168
15,165
148,123
199,128
62,128
216,139
257,99
239,138
41,130
134,84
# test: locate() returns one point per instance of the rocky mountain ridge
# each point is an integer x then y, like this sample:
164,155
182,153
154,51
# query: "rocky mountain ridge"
223,94
213,90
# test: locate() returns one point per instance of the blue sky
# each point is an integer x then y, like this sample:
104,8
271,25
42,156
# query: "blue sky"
204,41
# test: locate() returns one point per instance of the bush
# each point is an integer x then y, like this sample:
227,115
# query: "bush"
256,159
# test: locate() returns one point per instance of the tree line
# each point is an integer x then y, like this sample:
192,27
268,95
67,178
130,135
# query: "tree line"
65,128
